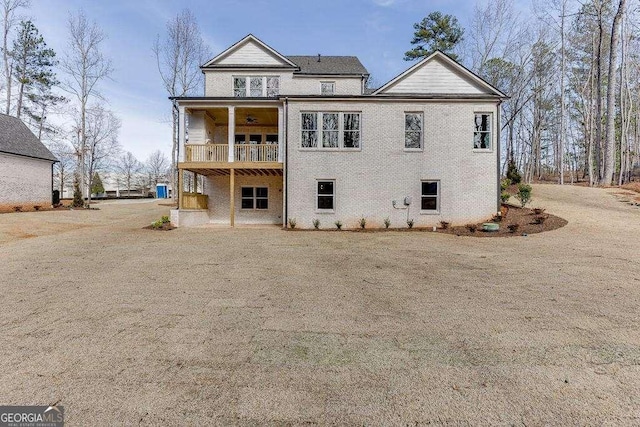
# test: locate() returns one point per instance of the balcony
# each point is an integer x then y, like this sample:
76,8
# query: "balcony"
219,153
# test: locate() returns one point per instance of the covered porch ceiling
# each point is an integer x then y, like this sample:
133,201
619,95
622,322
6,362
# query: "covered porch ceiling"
244,116
240,171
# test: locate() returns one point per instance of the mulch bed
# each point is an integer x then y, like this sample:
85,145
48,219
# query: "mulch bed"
524,221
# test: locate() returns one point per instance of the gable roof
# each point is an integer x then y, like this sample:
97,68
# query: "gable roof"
258,51
328,65
466,80
16,138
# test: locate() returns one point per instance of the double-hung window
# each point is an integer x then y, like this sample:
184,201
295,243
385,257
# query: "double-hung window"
430,196
325,195
256,86
482,131
413,131
331,130
255,198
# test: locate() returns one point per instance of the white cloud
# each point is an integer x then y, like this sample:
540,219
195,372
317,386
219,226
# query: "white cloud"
385,3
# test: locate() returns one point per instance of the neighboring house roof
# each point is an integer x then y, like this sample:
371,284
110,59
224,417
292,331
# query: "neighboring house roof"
328,65
458,79
16,138
260,53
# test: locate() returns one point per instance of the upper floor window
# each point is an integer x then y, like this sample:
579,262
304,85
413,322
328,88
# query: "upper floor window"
482,131
413,131
327,88
256,86
330,130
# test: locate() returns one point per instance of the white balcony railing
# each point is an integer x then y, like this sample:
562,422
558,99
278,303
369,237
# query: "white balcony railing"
220,153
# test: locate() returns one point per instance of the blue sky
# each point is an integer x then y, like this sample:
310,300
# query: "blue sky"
377,31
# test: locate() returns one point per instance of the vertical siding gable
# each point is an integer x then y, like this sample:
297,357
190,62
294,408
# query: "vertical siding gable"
250,53
435,77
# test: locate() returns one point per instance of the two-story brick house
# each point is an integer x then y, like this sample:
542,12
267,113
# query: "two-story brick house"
300,137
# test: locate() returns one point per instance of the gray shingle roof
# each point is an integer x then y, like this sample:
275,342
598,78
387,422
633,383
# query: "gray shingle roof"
16,138
328,65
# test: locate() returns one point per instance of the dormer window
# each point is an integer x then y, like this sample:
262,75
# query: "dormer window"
256,86
327,88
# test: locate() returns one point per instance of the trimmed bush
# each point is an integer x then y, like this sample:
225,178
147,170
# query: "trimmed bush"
512,173
292,223
410,223
387,222
338,224
524,194
316,223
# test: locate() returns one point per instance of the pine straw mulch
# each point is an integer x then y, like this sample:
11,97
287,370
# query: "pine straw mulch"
524,221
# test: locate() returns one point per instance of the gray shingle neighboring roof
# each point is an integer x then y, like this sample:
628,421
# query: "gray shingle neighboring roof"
328,65
16,138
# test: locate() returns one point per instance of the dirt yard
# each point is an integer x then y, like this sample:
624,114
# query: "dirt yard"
125,326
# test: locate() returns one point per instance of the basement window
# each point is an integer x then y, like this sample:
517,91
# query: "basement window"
256,198
325,197
430,199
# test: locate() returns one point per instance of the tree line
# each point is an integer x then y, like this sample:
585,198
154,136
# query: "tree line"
571,70
62,103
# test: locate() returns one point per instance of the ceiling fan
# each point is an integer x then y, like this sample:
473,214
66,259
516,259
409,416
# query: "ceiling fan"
250,119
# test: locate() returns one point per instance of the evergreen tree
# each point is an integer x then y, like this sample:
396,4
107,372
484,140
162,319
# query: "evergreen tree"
77,194
97,187
435,32
34,64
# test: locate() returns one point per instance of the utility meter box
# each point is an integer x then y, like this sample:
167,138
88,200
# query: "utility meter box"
407,200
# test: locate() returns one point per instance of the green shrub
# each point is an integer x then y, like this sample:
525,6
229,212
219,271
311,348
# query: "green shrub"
444,224
504,196
524,194
165,219
292,222
512,173
77,196
338,224
387,222
316,223
410,223
363,222
157,224
504,184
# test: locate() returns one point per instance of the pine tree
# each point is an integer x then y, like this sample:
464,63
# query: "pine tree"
435,32
34,64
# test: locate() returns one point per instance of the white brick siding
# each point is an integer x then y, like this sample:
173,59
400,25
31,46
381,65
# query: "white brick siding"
217,188
24,182
220,83
367,181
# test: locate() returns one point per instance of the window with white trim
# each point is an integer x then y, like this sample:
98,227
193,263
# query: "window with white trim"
325,195
330,130
413,131
482,131
256,198
256,86
430,196
327,88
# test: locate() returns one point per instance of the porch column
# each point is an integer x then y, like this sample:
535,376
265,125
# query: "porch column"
182,132
280,134
180,186
232,197
232,134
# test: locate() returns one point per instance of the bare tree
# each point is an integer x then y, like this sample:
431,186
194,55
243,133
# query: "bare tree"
129,169
178,56
102,146
157,167
610,146
9,20
85,66
63,169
